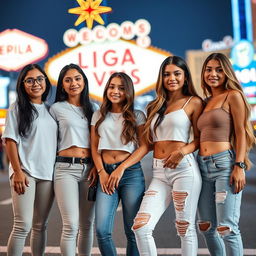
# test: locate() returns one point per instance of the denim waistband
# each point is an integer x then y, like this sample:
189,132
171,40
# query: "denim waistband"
229,152
114,165
160,162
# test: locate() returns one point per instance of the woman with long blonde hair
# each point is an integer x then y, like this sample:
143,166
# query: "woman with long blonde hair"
117,148
176,175
225,140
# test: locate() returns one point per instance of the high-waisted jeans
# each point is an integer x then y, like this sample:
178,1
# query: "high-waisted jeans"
77,213
183,184
130,191
31,210
219,206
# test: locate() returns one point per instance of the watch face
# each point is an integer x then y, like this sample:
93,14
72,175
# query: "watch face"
241,164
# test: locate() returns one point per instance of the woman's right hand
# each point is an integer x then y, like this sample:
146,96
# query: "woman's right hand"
20,182
104,182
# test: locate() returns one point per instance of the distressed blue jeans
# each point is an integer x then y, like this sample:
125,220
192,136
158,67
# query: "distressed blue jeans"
219,207
130,191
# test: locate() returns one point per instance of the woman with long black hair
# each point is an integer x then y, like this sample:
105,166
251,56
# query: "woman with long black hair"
31,141
73,112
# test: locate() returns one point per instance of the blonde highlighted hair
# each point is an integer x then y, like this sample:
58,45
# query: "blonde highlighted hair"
232,83
159,104
129,133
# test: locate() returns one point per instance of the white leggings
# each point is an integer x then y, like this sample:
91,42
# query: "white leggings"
183,184
30,209
77,213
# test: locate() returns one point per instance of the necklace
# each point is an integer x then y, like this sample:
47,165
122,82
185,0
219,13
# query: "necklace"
115,116
76,111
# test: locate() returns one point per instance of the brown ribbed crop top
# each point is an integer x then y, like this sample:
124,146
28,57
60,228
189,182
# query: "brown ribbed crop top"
215,125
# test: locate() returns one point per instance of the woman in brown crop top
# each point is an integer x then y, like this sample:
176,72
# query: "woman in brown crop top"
226,137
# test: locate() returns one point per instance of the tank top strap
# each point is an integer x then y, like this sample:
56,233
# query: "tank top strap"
224,100
187,102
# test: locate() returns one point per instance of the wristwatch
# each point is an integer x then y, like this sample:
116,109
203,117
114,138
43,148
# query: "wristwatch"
241,165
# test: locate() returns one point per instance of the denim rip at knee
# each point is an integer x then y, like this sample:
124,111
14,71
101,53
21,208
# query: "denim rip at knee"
130,190
184,185
218,205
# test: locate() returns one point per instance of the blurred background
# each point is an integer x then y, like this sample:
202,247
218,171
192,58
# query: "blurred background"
134,37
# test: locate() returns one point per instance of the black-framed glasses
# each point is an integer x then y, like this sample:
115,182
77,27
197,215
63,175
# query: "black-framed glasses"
31,81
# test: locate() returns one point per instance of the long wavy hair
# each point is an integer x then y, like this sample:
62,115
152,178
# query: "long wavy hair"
129,124
26,110
231,82
159,104
61,94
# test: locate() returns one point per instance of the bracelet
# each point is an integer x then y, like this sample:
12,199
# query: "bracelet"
100,170
182,153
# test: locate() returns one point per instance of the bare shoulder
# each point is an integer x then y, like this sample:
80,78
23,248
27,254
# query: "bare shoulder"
197,102
235,97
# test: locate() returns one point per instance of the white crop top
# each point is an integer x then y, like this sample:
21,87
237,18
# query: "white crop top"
175,126
111,128
73,125
37,151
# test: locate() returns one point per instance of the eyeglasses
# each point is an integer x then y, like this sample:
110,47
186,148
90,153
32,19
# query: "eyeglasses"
31,81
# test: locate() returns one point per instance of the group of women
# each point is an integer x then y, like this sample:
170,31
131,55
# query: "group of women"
104,147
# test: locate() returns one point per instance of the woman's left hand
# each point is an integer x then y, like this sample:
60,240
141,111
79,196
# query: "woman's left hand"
115,177
93,176
173,159
237,179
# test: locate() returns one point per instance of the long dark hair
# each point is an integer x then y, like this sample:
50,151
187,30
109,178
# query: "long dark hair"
159,104
61,94
129,124
26,111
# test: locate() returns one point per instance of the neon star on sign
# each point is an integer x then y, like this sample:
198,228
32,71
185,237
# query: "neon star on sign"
89,11
18,48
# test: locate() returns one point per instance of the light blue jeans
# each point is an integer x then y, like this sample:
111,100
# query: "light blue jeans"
183,185
219,206
77,213
130,191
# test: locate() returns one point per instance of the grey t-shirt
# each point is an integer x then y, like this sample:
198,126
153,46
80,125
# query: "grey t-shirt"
111,128
37,151
73,125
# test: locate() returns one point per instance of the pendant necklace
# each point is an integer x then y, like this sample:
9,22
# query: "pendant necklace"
77,112
115,116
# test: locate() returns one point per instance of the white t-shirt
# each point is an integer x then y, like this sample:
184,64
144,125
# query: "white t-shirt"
37,151
110,131
73,125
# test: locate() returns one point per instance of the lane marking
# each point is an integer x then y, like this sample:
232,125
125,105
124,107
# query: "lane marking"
122,251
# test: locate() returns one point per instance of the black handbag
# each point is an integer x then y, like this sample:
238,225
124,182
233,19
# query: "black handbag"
92,191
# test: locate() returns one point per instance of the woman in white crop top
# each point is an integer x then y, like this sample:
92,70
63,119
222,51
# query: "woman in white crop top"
73,112
31,142
175,172
117,147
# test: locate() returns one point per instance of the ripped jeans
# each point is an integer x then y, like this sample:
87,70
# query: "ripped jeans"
183,184
219,207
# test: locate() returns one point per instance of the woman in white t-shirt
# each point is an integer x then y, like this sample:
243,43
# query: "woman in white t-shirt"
117,148
31,141
73,111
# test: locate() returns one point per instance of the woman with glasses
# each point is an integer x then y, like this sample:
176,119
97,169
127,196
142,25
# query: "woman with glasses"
73,111
30,130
